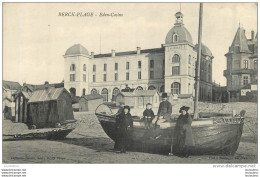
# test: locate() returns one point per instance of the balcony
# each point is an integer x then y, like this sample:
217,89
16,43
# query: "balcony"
238,71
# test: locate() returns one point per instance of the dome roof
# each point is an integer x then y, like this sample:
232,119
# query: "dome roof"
204,50
77,49
183,35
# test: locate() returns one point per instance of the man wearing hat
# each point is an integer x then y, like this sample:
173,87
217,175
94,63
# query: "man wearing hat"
165,108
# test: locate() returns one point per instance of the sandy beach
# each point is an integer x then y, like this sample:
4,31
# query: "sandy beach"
88,143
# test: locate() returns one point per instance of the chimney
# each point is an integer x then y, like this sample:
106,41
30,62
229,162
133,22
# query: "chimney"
138,50
113,53
252,35
92,54
46,84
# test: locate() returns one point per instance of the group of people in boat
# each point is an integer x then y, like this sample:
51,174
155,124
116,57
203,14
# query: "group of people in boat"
183,131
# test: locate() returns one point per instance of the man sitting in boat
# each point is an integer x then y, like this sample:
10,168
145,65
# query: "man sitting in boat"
164,111
185,142
123,122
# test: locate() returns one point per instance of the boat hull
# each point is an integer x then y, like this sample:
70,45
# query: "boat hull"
221,138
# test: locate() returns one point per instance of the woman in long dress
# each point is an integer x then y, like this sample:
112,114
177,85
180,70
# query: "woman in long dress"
185,143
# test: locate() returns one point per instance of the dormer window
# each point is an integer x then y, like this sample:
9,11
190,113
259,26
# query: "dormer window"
175,38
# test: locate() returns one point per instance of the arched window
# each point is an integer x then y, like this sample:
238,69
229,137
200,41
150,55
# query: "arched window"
72,91
176,58
84,67
84,92
72,67
189,59
151,87
104,93
114,93
162,88
176,88
175,38
139,88
94,91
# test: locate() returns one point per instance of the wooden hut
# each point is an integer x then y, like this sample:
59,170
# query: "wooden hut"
21,101
138,98
90,102
49,106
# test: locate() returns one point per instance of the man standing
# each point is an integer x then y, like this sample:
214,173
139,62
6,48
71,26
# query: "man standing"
165,108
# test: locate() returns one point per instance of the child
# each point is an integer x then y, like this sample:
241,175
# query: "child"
148,116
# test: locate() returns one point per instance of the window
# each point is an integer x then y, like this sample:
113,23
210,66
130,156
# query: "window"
127,65
151,63
189,59
175,38
245,63
72,67
175,70
162,88
94,91
105,78
94,78
127,76
104,93
189,71
176,58
236,64
84,67
114,93
139,75
116,76
94,68
151,74
83,91
245,80
139,88
116,66
255,64
175,88
105,67
139,64
72,77
151,87
84,78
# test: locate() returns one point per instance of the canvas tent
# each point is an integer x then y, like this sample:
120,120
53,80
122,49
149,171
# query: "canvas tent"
49,106
21,101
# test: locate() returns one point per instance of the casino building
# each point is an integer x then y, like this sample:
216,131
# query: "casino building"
170,68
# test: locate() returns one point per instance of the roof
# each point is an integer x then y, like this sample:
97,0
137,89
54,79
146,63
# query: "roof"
46,95
92,97
240,41
127,94
40,87
77,49
204,50
11,85
182,33
145,93
153,50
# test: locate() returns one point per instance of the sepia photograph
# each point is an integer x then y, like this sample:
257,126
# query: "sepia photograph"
130,83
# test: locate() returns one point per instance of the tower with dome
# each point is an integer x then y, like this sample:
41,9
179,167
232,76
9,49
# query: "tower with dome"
170,68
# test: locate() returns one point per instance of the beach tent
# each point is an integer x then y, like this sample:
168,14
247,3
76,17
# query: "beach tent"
21,101
90,102
49,106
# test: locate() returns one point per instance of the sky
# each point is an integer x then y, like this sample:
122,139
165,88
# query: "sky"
35,37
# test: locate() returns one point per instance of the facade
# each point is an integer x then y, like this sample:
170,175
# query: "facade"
242,59
90,102
170,68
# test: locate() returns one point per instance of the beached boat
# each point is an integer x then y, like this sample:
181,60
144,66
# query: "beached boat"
215,135
43,133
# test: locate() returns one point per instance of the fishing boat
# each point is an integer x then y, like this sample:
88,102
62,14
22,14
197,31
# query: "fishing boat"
217,134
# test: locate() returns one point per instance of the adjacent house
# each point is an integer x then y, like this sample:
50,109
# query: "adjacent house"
90,102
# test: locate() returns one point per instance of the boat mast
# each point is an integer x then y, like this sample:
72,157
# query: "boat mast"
197,76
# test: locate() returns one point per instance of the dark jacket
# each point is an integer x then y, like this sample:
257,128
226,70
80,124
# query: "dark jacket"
124,120
165,109
184,132
148,113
